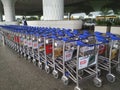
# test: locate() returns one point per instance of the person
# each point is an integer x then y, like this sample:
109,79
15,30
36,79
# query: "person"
24,21
109,24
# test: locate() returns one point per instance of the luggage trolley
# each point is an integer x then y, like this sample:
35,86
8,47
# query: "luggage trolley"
41,58
29,46
87,60
64,55
45,50
35,48
21,49
57,49
13,39
118,67
9,38
25,44
17,41
48,51
107,62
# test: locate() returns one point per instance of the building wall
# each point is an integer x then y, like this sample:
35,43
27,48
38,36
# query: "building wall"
72,24
114,29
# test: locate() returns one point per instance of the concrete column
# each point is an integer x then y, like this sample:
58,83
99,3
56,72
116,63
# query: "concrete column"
9,10
0,16
53,9
0,11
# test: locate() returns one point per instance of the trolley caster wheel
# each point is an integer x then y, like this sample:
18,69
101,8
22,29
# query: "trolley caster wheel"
81,72
118,69
47,69
34,62
97,82
77,88
40,65
55,74
99,72
28,58
21,53
17,51
110,77
24,55
65,80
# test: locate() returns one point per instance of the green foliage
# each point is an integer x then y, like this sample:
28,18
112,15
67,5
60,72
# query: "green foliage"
115,22
32,18
105,12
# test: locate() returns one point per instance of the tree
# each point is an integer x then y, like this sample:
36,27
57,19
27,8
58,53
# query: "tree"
105,12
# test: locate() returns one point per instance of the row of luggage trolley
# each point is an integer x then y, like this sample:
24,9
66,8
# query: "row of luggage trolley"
76,55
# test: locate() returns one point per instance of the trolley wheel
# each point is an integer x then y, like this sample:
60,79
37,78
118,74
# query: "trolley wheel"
21,53
65,80
24,55
77,88
118,69
110,77
34,62
30,60
99,72
81,72
55,74
17,51
47,69
28,57
40,65
97,82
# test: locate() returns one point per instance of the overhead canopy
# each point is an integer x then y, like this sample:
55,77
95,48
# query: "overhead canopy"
34,7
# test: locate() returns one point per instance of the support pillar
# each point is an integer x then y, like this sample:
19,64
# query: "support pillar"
53,10
9,10
0,16
0,11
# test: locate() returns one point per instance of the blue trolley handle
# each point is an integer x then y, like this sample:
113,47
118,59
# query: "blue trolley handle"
102,39
83,36
55,37
114,37
65,39
80,43
97,33
44,35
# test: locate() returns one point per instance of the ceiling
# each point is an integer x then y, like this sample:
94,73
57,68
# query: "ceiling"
34,7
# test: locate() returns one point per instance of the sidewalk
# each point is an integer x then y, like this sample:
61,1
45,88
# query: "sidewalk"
18,74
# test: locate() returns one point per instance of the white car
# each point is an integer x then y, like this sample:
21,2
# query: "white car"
89,24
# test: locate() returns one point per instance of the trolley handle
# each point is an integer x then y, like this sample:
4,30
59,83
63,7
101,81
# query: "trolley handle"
101,39
37,35
75,32
80,43
61,33
44,35
83,36
70,34
65,39
53,36
97,33
114,37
